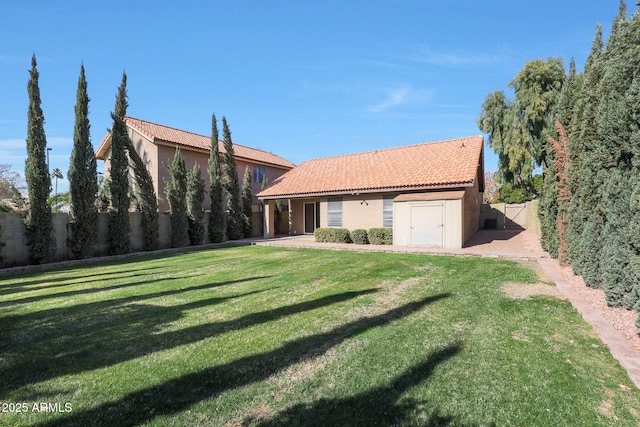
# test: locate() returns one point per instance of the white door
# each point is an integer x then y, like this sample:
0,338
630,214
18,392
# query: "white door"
427,226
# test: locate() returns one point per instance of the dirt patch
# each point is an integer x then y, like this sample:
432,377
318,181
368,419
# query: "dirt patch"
528,290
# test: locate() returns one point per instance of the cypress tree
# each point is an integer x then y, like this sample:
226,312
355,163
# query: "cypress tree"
247,201
39,222
119,228
231,186
552,209
585,210
176,191
618,129
146,196
617,278
83,178
195,198
216,216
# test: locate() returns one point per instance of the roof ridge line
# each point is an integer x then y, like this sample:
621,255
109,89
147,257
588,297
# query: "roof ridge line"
193,133
395,148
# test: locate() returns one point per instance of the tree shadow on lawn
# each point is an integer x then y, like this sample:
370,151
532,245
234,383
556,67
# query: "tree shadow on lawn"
82,266
180,393
381,406
91,290
104,336
16,288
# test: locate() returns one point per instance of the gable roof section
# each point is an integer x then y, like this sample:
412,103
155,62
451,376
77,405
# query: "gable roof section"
435,165
160,133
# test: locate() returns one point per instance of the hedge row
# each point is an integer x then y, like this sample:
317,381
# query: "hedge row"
375,236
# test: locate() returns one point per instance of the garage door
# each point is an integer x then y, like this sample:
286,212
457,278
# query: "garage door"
427,226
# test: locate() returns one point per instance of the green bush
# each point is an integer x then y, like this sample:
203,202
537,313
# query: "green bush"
332,235
323,235
381,236
342,235
360,237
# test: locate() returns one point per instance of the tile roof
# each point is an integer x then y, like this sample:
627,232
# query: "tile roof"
443,164
156,132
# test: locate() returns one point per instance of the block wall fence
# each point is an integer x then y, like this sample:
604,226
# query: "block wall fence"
527,215
16,252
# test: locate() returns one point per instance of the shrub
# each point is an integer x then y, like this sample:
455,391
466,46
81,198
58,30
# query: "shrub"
360,237
323,235
381,236
342,235
332,235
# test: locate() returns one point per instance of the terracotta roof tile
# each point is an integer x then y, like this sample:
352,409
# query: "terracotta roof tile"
168,134
440,164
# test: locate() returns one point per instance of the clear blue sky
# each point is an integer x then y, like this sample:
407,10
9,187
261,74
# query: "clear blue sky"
302,79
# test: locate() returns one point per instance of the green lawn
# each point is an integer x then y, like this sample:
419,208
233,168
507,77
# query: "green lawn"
255,335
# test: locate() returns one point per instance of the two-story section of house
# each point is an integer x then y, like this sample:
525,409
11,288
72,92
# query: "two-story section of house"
156,144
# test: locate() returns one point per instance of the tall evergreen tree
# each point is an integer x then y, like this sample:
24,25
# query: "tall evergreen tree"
216,216
39,222
247,202
83,178
195,198
176,191
617,126
231,186
585,215
551,209
119,227
147,200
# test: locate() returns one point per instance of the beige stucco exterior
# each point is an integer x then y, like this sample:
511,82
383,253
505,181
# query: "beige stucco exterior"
429,194
460,212
157,155
358,211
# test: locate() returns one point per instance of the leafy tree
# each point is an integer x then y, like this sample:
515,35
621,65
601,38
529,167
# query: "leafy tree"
491,187
38,223
9,180
83,178
60,202
195,198
513,193
176,191
247,201
146,197
119,226
216,216
231,186
517,127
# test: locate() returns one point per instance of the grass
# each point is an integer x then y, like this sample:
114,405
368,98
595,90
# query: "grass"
272,336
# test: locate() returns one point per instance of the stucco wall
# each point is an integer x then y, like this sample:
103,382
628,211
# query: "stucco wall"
358,211
156,157
471,207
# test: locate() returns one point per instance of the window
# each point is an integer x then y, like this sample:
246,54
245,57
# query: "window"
259,174
334,212
387,210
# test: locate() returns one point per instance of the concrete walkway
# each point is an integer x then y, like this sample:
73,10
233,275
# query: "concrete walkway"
509,244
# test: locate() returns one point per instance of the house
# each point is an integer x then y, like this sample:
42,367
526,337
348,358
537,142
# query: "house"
156,145
430,193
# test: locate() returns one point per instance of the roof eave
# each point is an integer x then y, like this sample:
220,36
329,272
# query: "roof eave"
353,192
